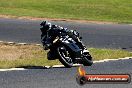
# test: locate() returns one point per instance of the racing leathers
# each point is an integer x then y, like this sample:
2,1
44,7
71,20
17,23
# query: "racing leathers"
48,36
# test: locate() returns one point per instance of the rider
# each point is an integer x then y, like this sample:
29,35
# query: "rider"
50,32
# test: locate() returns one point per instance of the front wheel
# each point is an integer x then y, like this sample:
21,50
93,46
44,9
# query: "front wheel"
87,59
65,57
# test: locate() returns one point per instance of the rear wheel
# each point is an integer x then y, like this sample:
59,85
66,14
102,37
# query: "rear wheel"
65,58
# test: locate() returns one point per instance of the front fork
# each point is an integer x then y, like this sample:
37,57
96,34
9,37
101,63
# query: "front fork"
80,44
83,50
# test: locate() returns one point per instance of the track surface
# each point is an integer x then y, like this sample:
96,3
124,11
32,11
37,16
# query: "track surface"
64,77
94,35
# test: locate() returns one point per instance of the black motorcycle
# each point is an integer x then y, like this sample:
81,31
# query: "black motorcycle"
68,51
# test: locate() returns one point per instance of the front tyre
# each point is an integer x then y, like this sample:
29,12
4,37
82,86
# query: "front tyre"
65,58
87,59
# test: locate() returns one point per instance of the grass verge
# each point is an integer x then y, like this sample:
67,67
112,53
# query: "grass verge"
32,55
92,10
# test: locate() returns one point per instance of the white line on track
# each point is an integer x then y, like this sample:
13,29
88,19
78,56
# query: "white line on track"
1,41
12,69
22,43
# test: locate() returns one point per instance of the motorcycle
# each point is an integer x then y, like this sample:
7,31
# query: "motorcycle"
68,51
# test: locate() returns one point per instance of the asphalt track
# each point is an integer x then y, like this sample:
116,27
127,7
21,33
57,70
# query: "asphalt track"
94,35
64,77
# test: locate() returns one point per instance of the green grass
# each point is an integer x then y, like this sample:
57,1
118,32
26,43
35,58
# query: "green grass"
32,55
94,10
27,62
100,54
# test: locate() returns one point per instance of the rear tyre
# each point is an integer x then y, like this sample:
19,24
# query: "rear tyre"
65,58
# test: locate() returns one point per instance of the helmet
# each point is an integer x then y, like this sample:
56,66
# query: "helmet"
45,25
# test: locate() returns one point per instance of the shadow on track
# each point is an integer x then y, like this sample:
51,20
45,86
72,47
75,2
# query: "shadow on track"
38,67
